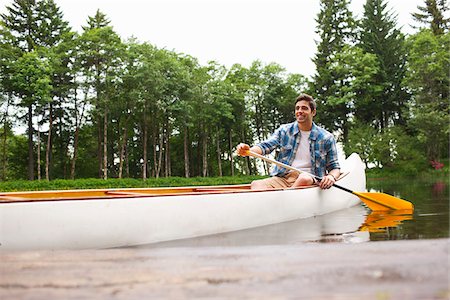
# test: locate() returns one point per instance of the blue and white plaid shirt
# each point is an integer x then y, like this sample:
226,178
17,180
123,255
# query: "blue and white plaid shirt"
322,147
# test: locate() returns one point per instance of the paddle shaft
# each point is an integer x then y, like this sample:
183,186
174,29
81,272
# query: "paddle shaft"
280,164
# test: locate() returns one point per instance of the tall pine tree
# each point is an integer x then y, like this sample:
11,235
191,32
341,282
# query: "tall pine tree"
35,26
100,56
379,36
55,35
433,14
336,29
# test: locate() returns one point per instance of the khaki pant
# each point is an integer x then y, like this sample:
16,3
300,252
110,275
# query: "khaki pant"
276,182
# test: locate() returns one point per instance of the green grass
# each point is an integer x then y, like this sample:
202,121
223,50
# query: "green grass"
93,183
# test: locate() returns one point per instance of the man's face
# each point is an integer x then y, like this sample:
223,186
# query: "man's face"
303,112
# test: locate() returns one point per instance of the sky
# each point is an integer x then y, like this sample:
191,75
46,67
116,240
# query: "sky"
226,31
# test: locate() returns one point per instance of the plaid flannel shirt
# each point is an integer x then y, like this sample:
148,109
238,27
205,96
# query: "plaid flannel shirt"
322,147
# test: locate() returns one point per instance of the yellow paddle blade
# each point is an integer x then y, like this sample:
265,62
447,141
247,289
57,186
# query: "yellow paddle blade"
376,221
381,201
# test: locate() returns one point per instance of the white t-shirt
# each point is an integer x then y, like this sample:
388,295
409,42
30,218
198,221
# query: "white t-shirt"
302,158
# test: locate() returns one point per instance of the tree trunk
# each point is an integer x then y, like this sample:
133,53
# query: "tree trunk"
167,150
122,149
105,145
5,140
158,166
75,152
65,156
127,162
99,148
155,148
144,145
230,140
219,152
78,121
204,153
49,143
39,152
258,123
99,119
64,147
30,143
186,152
5,146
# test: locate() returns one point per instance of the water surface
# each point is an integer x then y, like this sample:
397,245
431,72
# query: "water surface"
431,214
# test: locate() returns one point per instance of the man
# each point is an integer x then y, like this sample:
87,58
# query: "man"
303,145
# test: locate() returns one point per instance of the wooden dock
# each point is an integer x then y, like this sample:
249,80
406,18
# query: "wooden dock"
416,269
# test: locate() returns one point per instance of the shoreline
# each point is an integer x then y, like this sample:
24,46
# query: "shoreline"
410,269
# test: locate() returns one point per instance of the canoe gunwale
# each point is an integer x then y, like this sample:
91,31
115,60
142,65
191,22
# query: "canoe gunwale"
110,195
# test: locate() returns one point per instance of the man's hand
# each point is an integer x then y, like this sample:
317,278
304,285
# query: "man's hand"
327,182
242,149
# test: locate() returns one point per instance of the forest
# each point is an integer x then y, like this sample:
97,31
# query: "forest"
97,105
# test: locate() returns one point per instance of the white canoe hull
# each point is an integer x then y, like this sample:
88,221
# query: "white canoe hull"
105,223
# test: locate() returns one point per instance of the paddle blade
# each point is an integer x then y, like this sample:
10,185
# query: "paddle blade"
383,202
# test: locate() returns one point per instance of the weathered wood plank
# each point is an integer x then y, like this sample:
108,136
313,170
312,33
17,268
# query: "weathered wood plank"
373,270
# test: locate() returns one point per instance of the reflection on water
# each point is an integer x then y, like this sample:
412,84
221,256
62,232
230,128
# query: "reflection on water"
342,224
353,225
380,221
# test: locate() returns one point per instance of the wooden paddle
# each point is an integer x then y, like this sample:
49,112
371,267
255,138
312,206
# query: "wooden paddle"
375,201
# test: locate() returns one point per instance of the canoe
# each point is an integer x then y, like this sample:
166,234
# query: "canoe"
107,218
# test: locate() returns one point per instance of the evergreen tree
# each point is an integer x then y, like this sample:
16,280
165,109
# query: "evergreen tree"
336,29
32,27
55,35
20,21
20,30
379,36
433,14
100,49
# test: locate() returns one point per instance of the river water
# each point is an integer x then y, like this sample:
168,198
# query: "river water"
429,220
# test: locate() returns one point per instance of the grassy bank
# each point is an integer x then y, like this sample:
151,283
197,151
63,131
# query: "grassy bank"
93,183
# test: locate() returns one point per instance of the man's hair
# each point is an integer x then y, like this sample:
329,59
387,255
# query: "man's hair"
307,98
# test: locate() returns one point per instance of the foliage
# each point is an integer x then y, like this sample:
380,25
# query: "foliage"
361,140
15,165
392,149
428,78
106,107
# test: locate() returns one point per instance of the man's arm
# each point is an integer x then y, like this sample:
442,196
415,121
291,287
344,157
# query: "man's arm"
333,164
335,173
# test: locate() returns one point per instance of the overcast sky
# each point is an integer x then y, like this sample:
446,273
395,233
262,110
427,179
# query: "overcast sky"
227,31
